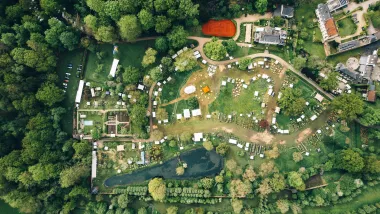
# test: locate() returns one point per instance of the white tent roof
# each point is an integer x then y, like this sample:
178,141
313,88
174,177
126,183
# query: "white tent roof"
79,92
179,116
233,141
190,89
313,117
319,97
196,112
94,164
186,113
198,136
114,67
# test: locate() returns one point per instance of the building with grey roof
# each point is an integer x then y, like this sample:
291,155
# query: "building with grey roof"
284,11
270,36
335,5
366,73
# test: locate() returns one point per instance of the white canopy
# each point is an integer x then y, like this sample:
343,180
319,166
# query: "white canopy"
114,67
190,89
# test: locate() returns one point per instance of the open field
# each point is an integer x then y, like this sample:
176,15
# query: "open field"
346,27
245,103
131,54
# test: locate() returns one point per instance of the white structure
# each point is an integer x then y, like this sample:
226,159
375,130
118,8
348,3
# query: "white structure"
196,112
198,137
179,116
92,92
190,89
114,67
232,141
186,113
273,120
79,92
313,117
140,87
94,165
277,110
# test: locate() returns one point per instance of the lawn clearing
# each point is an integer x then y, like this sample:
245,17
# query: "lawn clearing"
315,48
171,90
131,54
346,27
245,103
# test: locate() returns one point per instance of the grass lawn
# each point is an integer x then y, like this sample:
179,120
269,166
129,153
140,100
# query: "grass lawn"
244,103
73,57
131,54
244,51
315,48
170,91
368,196
176,108
346,27
305,12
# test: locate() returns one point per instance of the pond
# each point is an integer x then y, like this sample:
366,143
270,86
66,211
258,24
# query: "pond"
200,163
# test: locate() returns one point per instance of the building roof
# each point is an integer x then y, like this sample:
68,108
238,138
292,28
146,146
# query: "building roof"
94,164
196,112
324,12
79,91
330,27
114,67
287,11
371,96
186,113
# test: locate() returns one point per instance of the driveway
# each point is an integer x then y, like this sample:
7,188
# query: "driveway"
249,18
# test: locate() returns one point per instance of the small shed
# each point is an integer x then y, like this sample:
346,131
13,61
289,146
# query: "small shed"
198,136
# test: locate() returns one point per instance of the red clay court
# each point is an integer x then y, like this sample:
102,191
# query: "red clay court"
222,28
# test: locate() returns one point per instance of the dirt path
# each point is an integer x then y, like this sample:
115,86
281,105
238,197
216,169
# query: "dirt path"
272,104
303,135
172,102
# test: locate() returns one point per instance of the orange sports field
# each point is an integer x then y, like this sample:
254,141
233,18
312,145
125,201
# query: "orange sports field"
221,28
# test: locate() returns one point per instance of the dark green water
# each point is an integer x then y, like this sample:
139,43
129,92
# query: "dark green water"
200,163
6,209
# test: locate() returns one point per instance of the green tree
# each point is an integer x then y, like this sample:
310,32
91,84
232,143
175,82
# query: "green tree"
299,62
70,40
283,205
156,73
123,200
244,63
106,34
131,75
73,175
292,102
297,156
8,39
348,106
295,180
222,149
350,161
261,6
149,57
163,23
185,61
129,27
230,45
208,145
161,44
277,182
180,170
49,94
92,22
331,82
172,210
157,189
142,210
41,172
237,205
146,19
215,50
177,37
239,188
50,6
185,136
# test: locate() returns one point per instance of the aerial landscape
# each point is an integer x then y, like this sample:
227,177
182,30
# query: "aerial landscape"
189,106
